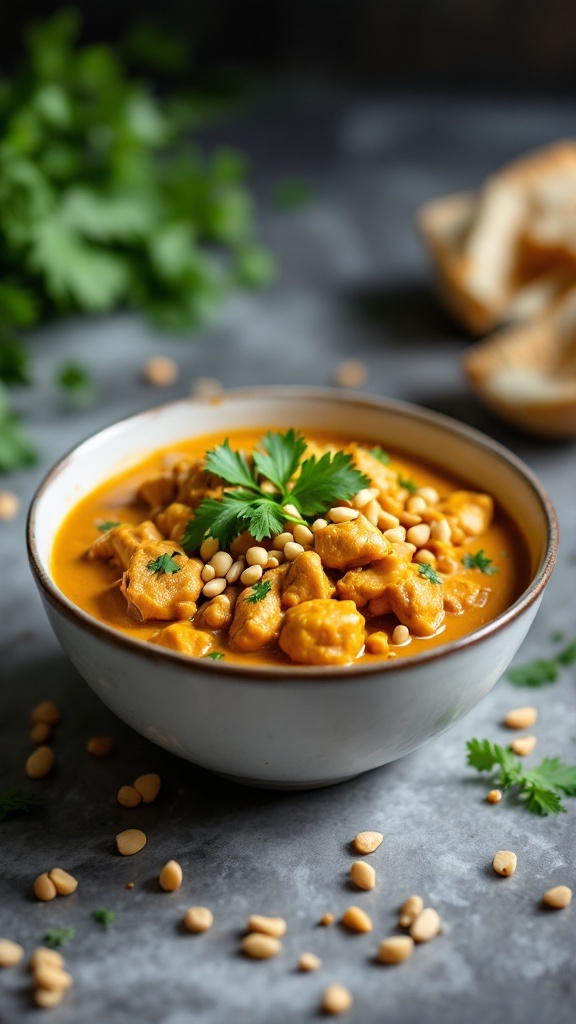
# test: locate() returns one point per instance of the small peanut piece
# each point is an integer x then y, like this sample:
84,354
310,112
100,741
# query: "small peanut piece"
171,876
494,796
47,712
395,949
64,883
9,505
357,920
44,955
10,953
309,962
131,841
341,514
47,998
524,745
326,920
41,732
55,979
128,796
275,926
350,374
558,897
521,718
44,888
409,910
198,919
260,947
100,746
336,999
504,863
426,926
161,371
367,842
148,786
40,763
363,875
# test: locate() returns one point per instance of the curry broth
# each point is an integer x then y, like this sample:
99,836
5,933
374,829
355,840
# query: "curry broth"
92,585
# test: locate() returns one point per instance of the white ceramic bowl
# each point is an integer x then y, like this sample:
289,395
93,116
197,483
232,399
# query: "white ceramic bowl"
292,726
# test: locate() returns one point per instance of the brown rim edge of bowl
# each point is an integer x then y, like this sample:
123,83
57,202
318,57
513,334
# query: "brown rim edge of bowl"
262,673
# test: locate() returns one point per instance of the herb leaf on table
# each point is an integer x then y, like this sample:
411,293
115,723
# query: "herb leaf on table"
540,788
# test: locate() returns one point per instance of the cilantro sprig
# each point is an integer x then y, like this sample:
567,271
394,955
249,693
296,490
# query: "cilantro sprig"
540,788
429,572
12,801
481,562
542,671
56,937
278,458
259,591
104,916
164,564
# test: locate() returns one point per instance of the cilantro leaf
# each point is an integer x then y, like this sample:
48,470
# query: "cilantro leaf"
264,518
55,937
539,787
281,457
104,916
16,448
378,453
108,525
568,655
214,656
231,465
76,382
479,561
12,801
535,673
323,481
224,520
407,483
164,564
14,362
427,570
259,591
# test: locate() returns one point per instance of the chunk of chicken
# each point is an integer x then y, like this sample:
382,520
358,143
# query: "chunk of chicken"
256,623
173,520
323,632
363,585
305,580
119,544
414,599
184,637
194,483
218,612
472,510
161,595
158,491
347,545
460,594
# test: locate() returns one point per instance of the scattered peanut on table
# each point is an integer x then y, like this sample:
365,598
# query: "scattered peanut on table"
40,762
367,842
504,863
363,875
9,505
170,876
426,926
131,841
336,999
100,746
161,371
11,953
524,745
261,947
558,897
521,718
494,796
309,962
275,926
395,949
198,919
410,909
357,920
148,786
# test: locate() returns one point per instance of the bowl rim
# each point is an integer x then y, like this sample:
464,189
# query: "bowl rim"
261,673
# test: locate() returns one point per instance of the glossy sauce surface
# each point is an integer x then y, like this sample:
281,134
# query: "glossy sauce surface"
92,585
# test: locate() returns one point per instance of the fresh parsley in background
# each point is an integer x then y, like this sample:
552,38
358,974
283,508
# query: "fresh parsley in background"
542,671
105,201
104,916
56,937
540,788
320,482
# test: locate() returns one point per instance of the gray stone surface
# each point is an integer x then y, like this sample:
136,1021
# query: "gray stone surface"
501,957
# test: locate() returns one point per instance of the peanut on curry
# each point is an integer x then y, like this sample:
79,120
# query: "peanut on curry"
311,551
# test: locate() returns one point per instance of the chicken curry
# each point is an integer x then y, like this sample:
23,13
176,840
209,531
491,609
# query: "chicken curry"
311,550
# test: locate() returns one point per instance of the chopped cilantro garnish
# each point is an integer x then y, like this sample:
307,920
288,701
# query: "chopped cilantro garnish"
56,937
540,787
427,570
104,916
479,561
164,564
214,656
108,525
278,457
259,591
378,453
409,484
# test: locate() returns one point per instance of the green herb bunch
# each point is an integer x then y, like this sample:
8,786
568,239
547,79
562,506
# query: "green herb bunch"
106,202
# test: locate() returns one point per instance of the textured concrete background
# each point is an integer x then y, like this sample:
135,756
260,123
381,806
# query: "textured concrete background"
354,283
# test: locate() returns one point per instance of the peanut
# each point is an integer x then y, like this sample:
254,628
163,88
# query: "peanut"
558,897
367,842
275,926
148,786
336,999
161,371
44,955
44,888
47,712
128,796
409,910
494,796
9,505
171,876
524,745
260,947
40,763
521,718
425,926
10,953
327,919
53,978
363,875
396,949
47,998
198,919
309,962
41,732
65,883
341,514
504,863
357,920
100,746
350,374
131,841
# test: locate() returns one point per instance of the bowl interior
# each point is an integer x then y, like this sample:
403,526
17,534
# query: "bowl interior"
484,464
